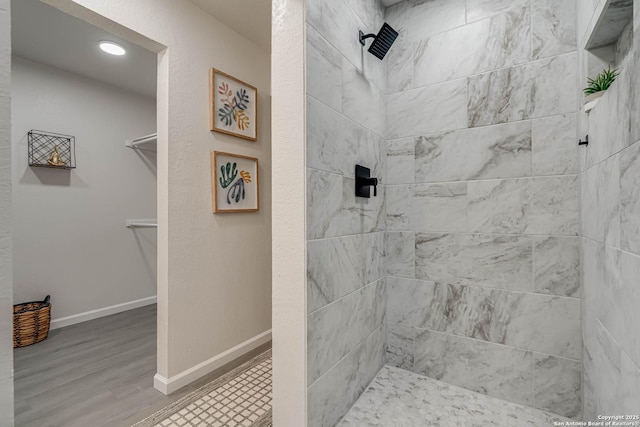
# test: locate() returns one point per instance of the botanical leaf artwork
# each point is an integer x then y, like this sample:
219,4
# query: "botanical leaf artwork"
234,107
235,182
236,191
228,173
246,176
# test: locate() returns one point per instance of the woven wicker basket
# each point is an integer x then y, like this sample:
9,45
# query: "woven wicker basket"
31,322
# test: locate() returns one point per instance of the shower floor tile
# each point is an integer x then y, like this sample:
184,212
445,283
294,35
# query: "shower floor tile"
400,398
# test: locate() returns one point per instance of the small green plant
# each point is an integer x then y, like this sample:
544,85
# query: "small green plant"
602,81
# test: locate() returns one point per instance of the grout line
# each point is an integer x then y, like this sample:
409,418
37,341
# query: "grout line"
494,70
344,116
607,158
335,301
486,342
467,128
485,180
339,52
355,348
518,291
611,247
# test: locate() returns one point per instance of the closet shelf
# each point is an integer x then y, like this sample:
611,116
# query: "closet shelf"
142,223
142,141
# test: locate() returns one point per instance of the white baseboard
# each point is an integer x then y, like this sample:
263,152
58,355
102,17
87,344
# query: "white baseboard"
176,382
101,312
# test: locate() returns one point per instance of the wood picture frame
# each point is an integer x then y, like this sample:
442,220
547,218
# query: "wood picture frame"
233,106
234,182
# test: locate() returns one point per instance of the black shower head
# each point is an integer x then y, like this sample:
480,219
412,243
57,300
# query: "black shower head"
382,41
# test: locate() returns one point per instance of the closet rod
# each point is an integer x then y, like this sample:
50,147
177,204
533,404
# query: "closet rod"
142,223
142,140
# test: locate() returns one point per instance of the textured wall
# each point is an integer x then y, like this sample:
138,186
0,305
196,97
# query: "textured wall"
482,209
610,181
288,241
345,126
6,281
81,230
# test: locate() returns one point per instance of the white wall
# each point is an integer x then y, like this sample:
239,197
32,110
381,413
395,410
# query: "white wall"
289,192
214,271
70,239
6,291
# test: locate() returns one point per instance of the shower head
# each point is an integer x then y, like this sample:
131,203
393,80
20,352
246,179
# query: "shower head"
382,41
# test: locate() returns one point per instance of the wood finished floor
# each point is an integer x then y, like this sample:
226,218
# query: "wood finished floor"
97,373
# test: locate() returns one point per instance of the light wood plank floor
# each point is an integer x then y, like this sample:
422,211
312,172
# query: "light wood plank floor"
97,373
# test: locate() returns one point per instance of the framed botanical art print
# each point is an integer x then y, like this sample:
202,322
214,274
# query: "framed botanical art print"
233,106
234,183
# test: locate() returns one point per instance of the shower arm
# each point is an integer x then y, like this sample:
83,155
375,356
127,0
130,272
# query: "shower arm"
363,36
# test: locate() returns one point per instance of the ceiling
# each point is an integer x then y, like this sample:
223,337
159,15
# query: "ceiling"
44,34
250,18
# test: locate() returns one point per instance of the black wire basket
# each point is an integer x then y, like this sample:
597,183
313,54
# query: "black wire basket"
42,146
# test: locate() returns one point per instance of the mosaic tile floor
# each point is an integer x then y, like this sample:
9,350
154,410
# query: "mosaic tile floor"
399,398
241,398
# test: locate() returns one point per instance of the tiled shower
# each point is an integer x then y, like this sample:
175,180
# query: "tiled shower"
498,256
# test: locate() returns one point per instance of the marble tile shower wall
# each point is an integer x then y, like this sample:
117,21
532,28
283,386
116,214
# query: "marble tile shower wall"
610,183
482,253
346,293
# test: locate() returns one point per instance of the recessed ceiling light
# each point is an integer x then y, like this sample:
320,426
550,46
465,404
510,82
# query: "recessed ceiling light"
112,48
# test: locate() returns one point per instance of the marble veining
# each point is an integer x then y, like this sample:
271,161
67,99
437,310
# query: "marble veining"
537,89
398,398
399,168
362,101
557,385
428,109
481,9
370,11
331,396
554,29
630,199
601,202
625,318
328,340
609,121
361,215
500,151
541,323
400,64
545,205
484,367
400,254
324,204
554,145
339,266
611,379
324,68
633,63
617,14
421,18
427,207
556,265
495,261
400,343
336,143
333,210
498,42
338,23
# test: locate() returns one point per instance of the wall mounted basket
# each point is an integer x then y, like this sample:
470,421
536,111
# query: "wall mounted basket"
42,146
